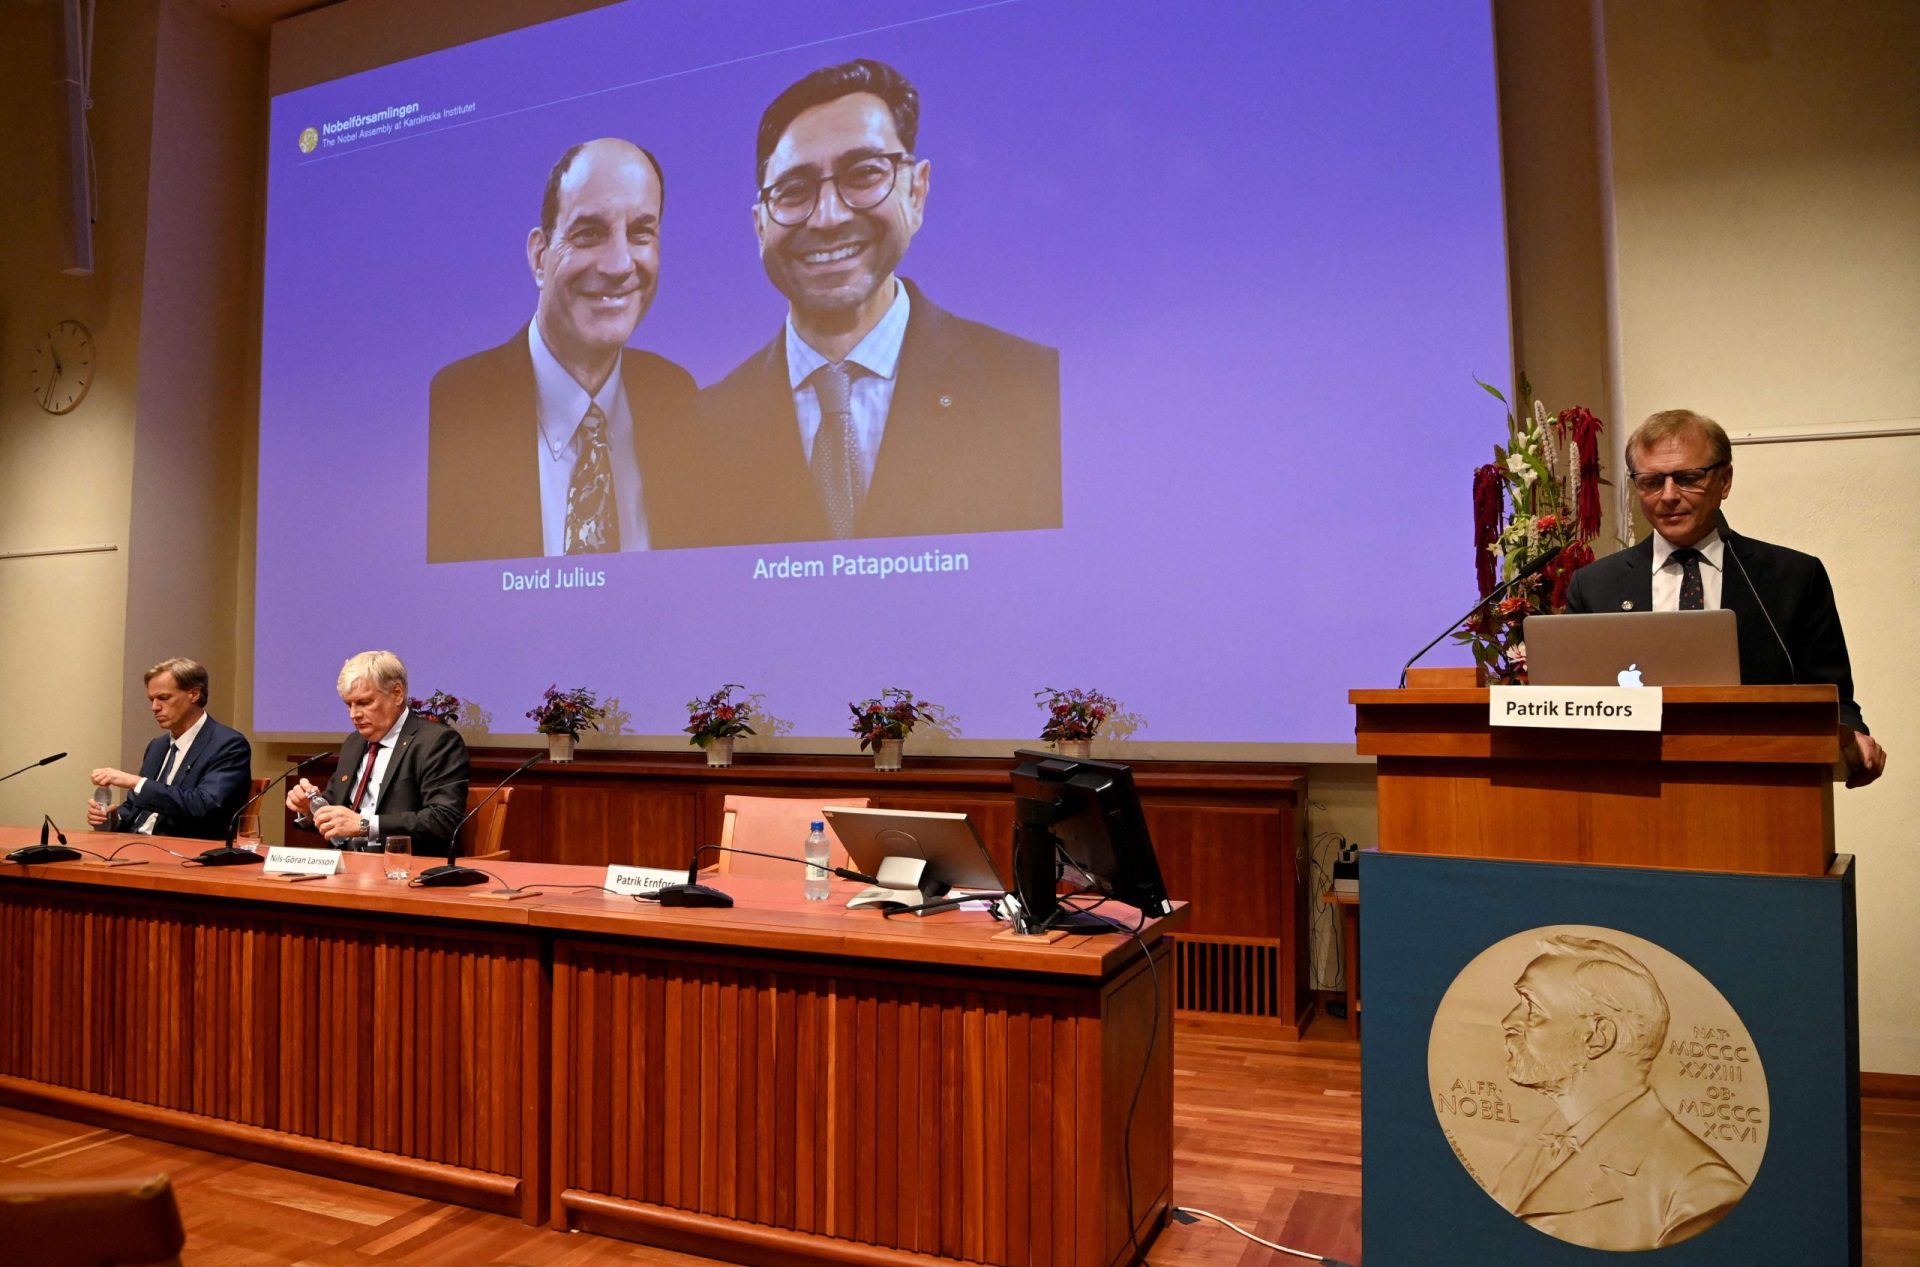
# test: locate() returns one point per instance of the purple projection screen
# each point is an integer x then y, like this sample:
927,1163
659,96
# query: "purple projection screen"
1265,242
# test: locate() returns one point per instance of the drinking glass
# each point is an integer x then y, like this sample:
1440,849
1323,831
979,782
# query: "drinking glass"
399,853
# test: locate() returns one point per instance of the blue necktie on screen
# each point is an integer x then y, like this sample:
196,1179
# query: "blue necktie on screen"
836,453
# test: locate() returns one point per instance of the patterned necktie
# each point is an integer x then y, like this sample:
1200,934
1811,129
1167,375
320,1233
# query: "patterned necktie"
836,449
1693,594
593,517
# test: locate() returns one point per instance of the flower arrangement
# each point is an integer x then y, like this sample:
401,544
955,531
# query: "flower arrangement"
719,716
568,712
439,706
892,716
1074,714
1540,493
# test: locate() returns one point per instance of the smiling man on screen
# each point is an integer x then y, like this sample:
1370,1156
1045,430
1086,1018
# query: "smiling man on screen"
1681,466
873,412
562,440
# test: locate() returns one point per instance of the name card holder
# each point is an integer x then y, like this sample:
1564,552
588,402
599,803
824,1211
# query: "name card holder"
638,881
294,864
1575,707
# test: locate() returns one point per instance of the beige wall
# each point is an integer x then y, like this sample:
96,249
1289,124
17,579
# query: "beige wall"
1766,165
65,481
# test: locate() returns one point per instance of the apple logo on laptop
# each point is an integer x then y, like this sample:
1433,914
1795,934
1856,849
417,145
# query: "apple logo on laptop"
1630,676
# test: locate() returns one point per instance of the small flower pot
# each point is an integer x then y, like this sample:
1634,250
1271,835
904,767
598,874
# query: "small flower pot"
887,753
560,748
720,751
1079,749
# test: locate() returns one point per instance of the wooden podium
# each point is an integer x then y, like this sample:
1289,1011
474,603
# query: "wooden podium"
1739,778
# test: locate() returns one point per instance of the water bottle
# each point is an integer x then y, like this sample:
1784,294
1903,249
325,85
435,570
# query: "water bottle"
817,863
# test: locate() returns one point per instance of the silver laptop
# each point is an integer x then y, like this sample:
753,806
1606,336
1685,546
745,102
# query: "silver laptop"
1698,648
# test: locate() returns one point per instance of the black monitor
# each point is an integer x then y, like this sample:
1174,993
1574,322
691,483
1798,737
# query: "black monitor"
1080,820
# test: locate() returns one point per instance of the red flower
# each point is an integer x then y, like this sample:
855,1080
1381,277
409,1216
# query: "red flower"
1489,505
1585,430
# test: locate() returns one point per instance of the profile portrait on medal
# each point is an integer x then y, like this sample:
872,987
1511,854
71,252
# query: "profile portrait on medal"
1610,1125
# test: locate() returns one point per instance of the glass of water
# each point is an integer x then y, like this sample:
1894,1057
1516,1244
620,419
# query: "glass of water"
399,853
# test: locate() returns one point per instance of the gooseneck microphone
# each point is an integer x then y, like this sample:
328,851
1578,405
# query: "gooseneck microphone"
228,855
1530,570
1728,537
693,893
450,874
44,852
34,765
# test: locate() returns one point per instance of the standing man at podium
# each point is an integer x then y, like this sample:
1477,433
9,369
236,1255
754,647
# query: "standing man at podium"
1681,466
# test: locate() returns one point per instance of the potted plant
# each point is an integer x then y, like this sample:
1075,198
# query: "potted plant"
883,724
439,706
1074,717
716,720
562,715
1541,493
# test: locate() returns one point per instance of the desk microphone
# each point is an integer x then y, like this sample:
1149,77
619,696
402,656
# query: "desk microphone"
450,874
44,852
227,855
1530,570
33,764
693,893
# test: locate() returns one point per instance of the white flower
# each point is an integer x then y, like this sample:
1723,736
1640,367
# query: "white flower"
1518,465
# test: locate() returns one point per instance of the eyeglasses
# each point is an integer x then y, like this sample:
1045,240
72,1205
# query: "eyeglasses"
863,184
1692,478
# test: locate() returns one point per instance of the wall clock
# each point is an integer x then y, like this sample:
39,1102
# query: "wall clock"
63,364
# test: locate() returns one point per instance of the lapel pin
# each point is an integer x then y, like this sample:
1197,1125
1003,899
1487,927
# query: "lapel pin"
945,401
1627,605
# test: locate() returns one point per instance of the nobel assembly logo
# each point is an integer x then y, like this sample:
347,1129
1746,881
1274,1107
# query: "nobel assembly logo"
309,140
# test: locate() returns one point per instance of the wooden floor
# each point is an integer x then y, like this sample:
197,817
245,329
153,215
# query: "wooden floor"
1267,1133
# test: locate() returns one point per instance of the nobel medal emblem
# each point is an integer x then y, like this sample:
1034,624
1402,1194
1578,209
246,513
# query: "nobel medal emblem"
1599,1088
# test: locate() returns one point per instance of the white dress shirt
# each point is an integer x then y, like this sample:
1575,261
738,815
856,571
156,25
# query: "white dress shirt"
1667,574
563,405
870,395
181,747
371,800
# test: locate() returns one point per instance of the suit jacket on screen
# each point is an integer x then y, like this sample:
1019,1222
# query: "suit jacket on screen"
972,441
424,794
483,484
212,783
1764,581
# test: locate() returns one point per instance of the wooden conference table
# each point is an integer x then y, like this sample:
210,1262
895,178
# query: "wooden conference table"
782,1081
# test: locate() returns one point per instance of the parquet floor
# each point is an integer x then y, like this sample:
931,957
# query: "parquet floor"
1266,1133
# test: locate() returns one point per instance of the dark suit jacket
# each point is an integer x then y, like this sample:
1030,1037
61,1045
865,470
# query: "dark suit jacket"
214,780
425,792
972,441
1762,581
483,487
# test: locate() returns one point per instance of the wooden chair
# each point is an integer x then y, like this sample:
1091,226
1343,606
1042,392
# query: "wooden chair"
480,838
775,824
90,1222
249,825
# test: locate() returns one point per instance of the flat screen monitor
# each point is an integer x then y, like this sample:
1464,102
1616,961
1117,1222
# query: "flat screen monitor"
1080,821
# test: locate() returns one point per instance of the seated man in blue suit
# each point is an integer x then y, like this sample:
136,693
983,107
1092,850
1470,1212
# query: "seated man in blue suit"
194,778
873,412
399,773
1681,465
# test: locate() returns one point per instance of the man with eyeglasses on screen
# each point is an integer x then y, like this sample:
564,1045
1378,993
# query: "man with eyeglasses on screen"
1681,466
873,412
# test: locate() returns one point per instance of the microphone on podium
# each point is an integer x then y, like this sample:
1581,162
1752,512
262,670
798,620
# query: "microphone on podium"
32,765
1532,569
228,855
450,874
44,852
693,893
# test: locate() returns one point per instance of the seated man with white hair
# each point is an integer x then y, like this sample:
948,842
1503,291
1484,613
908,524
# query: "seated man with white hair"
399,774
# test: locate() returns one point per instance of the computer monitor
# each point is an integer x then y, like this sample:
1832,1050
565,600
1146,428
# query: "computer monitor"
1080,820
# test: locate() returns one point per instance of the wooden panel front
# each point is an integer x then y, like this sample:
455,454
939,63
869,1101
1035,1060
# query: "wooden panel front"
355,1034
793,1111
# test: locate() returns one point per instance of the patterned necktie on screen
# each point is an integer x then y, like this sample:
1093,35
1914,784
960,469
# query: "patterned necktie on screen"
836,449
1693,594
593,517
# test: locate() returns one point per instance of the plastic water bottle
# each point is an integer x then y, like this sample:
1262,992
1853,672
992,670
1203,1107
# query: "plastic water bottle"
817,863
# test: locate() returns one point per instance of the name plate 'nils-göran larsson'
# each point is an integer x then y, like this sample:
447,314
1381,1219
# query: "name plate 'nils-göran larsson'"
1598,1088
